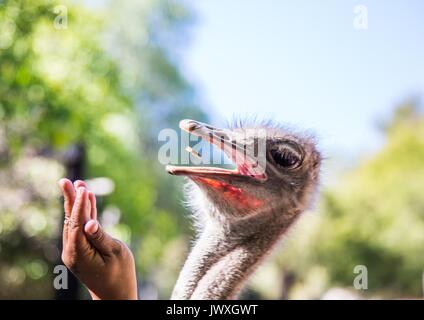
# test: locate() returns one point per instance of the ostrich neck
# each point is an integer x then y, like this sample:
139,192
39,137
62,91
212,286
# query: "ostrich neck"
224,257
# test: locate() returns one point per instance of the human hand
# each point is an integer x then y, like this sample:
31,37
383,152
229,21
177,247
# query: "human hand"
105,265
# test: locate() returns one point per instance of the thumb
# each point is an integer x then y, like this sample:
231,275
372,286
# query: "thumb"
100,239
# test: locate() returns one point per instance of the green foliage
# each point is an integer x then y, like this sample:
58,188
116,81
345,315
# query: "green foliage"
99,83
373,216
57,84
377,217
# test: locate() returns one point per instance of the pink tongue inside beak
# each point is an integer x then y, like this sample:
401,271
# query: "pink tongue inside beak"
237,196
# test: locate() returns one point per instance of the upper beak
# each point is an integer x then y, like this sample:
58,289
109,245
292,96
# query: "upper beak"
224,140
217,136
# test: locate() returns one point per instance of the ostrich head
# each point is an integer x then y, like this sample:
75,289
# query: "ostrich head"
275,171
245,210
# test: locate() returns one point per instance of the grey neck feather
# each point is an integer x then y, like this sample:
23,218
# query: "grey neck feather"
227,253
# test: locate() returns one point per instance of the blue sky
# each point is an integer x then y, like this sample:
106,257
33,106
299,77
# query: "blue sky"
303,62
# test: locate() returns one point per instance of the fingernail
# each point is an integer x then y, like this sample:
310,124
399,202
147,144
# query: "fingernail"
92,227
96,227
80,190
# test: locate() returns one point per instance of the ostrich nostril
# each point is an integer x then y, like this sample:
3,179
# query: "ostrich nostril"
193,126
190,125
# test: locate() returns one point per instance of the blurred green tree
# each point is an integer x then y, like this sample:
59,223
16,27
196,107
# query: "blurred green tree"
373,216
61,86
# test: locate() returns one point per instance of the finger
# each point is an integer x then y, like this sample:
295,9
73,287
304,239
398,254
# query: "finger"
93,203
82,184
69,198
100,239
68,195
81,209
79,183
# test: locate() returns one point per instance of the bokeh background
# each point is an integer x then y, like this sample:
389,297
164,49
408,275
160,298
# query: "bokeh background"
85,87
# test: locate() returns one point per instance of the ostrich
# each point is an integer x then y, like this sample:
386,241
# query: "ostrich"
243,212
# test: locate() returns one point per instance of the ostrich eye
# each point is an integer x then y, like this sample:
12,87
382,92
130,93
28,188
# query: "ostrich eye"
285,157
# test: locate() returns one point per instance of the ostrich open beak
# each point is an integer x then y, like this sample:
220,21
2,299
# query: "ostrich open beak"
246,165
